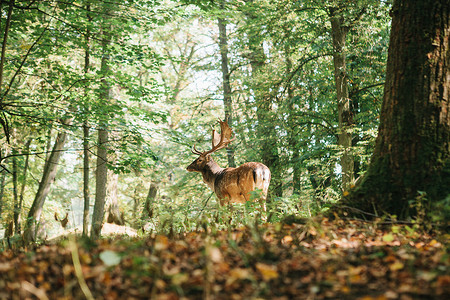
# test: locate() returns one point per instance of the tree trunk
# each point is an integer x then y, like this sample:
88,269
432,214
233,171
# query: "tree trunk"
17,194
293,133
48,177
2,186
87,54
86,179
412,150
16,211
2,60
147,212
102,152
113,214
101,178
227,101
339,34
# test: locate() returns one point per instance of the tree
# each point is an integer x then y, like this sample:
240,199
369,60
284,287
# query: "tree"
264,100
339,33
48,176
412,151
86,193
101,175
227,100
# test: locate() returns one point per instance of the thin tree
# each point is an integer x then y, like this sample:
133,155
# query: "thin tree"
87,55
102,149
268,139
48,177
341,23
227,100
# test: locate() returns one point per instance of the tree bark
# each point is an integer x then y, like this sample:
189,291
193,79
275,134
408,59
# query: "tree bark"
2,186
101,179
293,133
102,150
25,171
339,35
86,179
18,195
412,151
113,214
48,177
227,100
86,192
3,52
147,212
16,212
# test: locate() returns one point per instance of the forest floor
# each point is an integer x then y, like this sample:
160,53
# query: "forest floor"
339,259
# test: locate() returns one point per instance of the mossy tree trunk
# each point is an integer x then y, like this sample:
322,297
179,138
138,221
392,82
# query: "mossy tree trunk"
339,34
412,151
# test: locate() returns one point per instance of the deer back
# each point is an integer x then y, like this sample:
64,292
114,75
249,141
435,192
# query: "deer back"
235,185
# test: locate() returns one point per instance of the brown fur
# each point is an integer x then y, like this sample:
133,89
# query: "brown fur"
232,185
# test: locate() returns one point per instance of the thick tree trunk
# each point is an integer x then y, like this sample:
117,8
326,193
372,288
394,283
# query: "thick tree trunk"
48,177
339,34
227,101
412,151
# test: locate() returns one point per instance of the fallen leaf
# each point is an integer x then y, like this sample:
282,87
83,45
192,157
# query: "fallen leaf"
268,272
238,274
215,255
161,243
287,239
398,265
180,278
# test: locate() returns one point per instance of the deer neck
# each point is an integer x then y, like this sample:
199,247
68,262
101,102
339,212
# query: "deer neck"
211,171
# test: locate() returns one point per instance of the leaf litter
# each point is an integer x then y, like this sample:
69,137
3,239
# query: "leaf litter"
319,260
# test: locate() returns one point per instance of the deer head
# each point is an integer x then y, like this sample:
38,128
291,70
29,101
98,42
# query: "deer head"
219,141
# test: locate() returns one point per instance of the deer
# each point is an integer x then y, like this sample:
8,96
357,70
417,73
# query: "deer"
231,185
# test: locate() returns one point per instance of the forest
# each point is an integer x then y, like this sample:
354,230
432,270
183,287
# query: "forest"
342,105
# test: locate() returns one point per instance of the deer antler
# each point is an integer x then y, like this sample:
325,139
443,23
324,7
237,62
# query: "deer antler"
219,141
195,151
